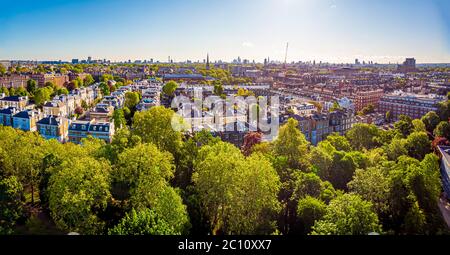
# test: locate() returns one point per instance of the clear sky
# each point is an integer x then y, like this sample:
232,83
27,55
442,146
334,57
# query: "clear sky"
322,30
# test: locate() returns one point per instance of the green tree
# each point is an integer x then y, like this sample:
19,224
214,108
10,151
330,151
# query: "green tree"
2,69
443,110
361,136
169,88
88,80
310,210
119,119
348,214
339,142
31,86
237,194
372,185
404,125
218,89
143,222
11,203
105,78
142,176
342,169
431,120
388,116
396,148
4,90
368,109
72,85
418,145
42,95
51,85
131,100
142,168
414,192
78,192
62,91
155,126
104,88
12,91
442,129
418,126
291,143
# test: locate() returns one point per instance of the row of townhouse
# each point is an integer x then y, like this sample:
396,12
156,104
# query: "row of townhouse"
317,126
65,105
54,122
56,127
150,97
25,120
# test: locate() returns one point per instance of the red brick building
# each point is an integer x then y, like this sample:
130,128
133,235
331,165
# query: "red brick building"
58,79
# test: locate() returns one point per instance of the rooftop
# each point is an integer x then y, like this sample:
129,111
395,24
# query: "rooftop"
13,98
445,151
50,120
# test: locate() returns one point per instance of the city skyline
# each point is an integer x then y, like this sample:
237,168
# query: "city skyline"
334,31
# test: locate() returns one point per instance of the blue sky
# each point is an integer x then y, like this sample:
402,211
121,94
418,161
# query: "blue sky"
322,30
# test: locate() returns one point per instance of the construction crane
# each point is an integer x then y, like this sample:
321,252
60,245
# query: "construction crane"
285,55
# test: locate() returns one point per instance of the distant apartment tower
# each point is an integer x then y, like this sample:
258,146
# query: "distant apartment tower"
414,106
408,66
75,61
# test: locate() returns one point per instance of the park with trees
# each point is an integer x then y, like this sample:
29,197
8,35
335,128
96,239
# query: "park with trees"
152,179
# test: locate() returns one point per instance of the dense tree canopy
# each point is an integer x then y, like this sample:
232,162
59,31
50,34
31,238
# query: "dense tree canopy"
361,136
154,178
238,195
155,126
143,222
291,143
348,214
78,191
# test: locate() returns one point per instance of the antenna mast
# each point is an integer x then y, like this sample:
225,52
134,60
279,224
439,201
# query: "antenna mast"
285,55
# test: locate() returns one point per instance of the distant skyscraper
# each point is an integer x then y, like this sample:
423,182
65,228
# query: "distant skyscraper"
207,61
89,60
408,66
75,61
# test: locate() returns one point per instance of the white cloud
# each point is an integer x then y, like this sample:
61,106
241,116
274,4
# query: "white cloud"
247,44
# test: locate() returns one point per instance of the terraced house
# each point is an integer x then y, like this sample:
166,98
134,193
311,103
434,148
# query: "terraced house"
54,127
6,116
80,129
26,120
18,102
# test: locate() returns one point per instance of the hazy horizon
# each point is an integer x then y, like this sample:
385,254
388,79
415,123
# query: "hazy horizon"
334,31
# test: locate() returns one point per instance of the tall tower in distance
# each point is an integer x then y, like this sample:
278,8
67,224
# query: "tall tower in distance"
207,61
